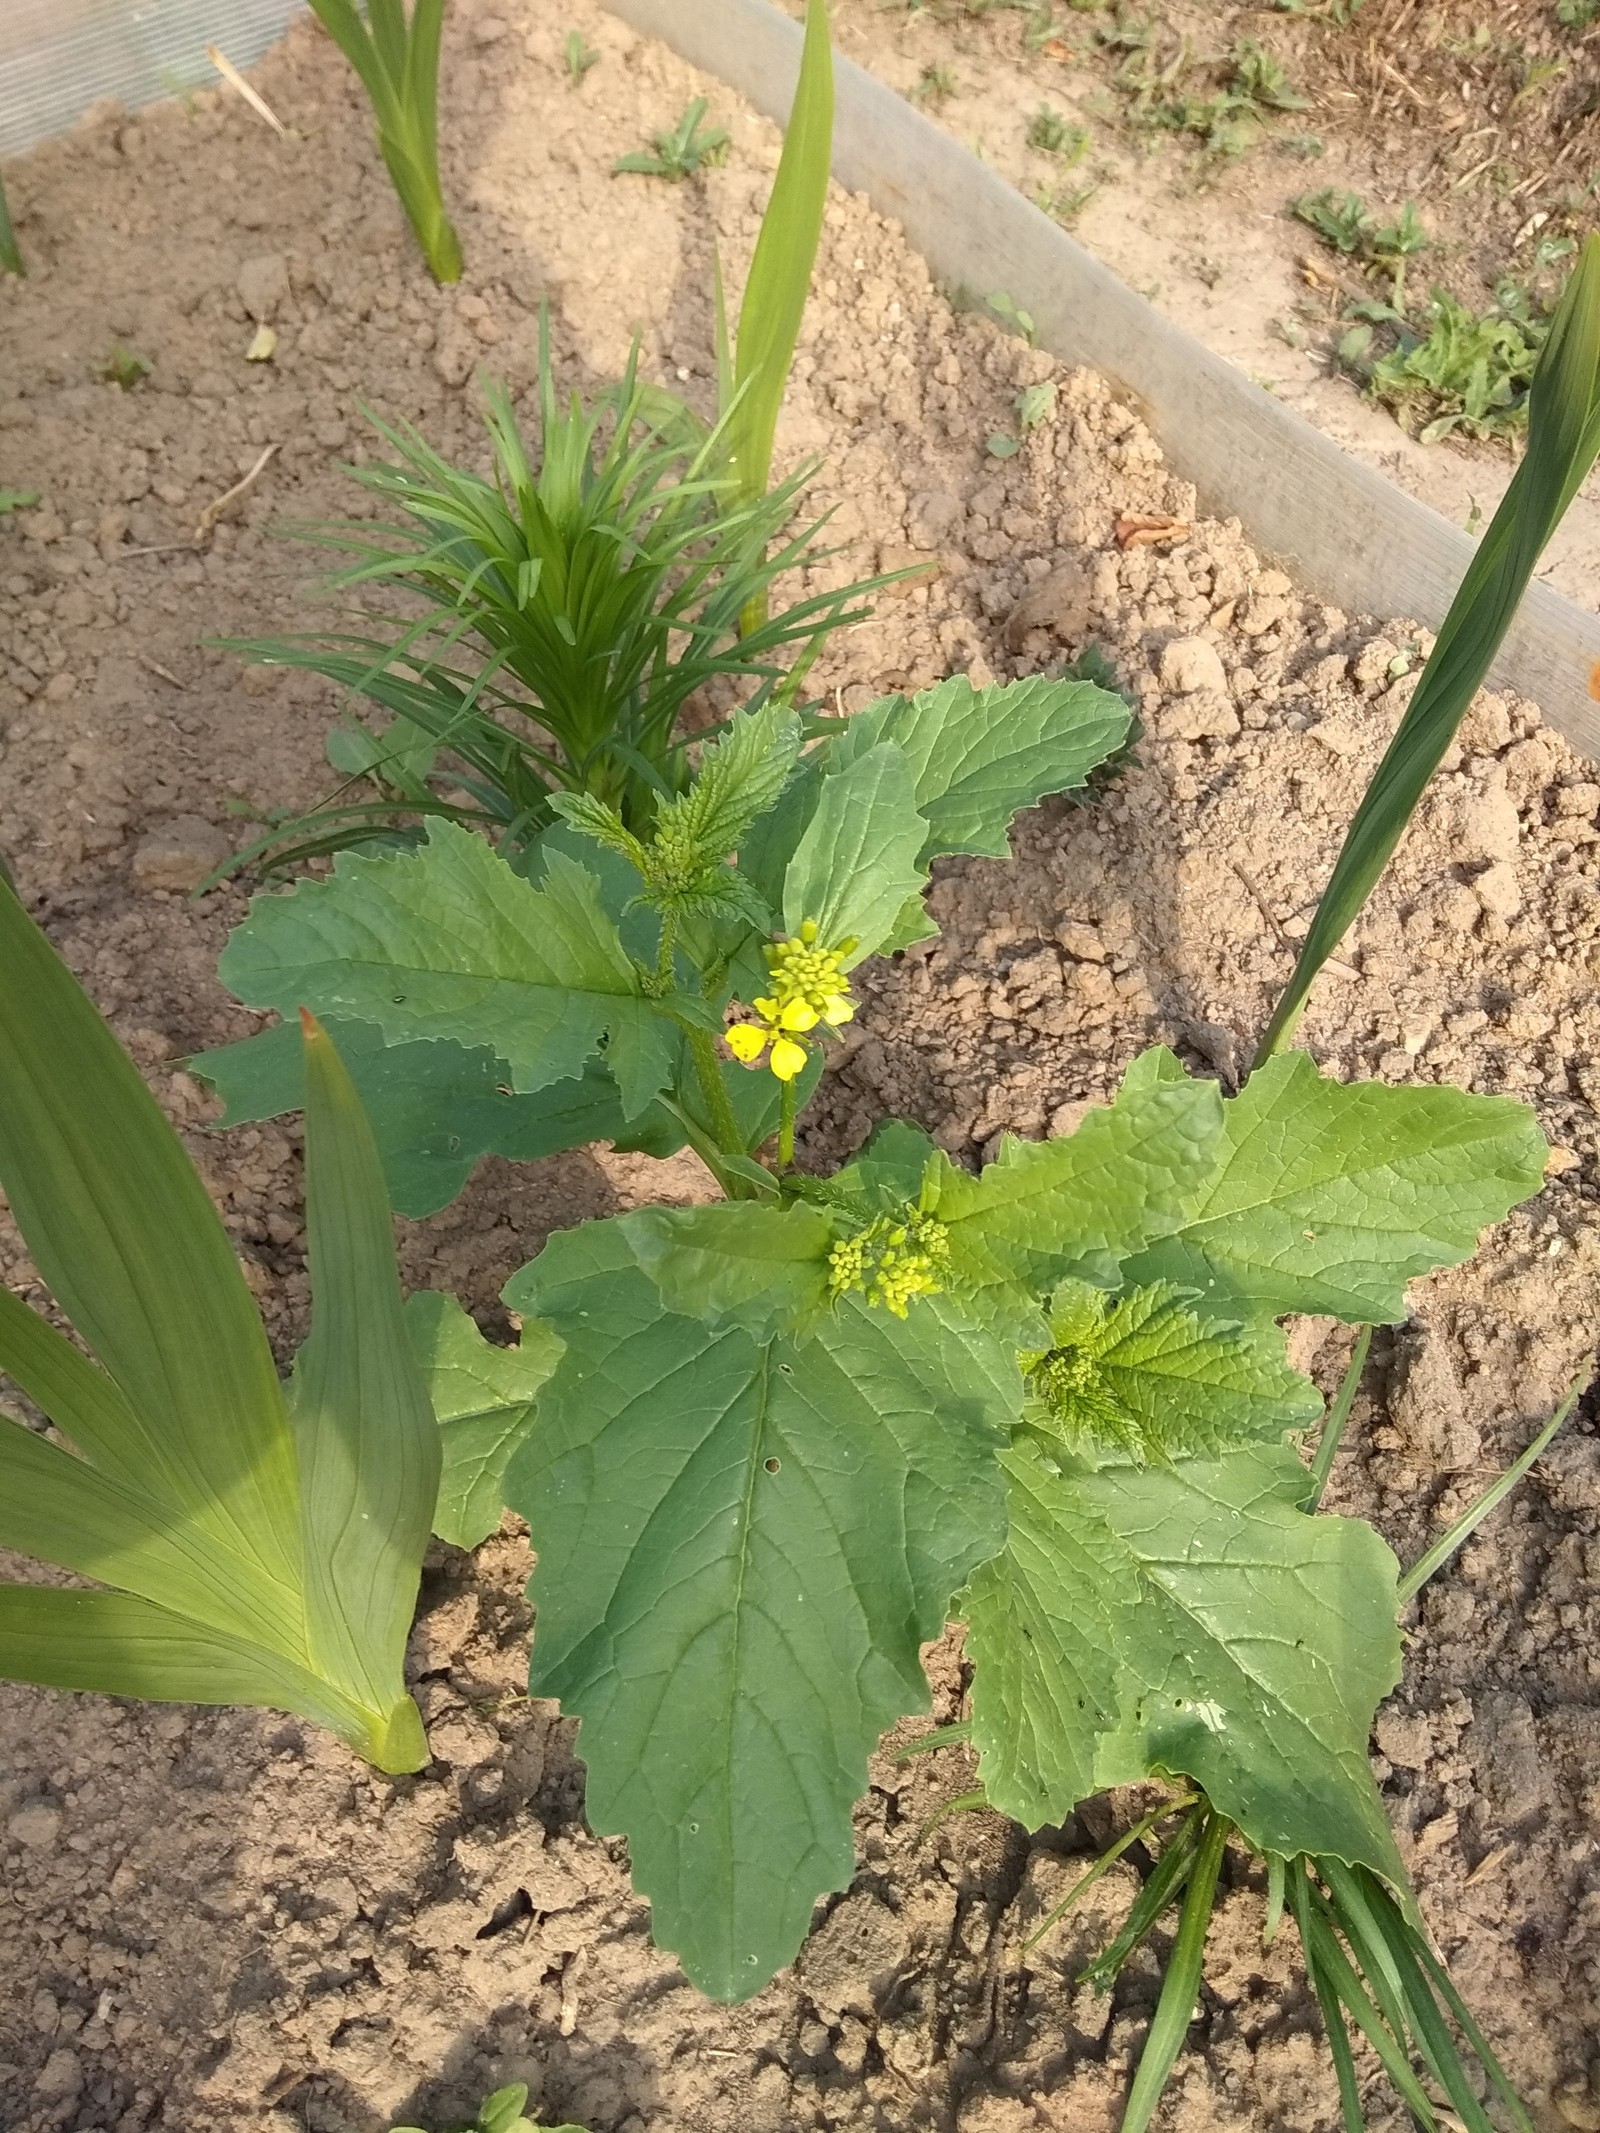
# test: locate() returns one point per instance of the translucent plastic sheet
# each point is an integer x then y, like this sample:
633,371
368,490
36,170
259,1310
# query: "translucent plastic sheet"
57,57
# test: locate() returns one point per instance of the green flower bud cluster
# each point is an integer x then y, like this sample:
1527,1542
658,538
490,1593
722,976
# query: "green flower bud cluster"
893,1259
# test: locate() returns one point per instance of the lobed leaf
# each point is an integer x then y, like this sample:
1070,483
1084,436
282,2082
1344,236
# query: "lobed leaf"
1190,1620
741,1546
856,863
979,756
449,941
1330,1198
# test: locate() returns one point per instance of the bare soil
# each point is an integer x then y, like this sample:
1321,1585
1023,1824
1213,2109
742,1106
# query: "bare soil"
1483,113
219,1919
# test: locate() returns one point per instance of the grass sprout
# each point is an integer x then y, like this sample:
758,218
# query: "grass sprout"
124,367
1054,135
10,252
578,57
680,151
398,62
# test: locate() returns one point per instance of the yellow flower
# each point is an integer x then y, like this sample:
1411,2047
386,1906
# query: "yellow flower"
809,987
787,1058
747,1041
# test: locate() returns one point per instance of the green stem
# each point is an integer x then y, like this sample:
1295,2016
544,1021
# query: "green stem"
719,1105
786,1110
665,968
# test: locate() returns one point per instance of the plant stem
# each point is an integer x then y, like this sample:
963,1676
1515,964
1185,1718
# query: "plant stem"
786,1110
665,968
719,1105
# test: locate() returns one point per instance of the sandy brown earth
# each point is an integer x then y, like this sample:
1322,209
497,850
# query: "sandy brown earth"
217,1918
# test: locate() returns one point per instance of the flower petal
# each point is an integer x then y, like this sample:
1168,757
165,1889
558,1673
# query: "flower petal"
787,1058
746,1042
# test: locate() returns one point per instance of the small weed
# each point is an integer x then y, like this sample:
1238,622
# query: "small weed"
1340,12
680,151
1459,369
1054,135
1342,221
10,256
1227,119
935,85
1577,14
1305,145
1012,315
579,57
502,2112
1000,445
1260,80
124,367
1064,203
17,500
1338,218
1036,404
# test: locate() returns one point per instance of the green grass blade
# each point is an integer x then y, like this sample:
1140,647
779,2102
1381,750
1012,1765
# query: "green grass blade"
1563,440
114,1644
368,1443
119,1225
1179,1989
1428,1565
1107,1859
10,254
1475,2037
1338,1415
1171,1871
780,272
1312,1934
1428,2026
344,25
1345,1983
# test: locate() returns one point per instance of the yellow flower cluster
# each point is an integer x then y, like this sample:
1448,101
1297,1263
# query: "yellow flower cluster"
893,1259
809,987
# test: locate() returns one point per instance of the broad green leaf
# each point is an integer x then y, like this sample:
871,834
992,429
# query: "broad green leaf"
741,1546
483,1398
1044,1209
763,1267
79,1398
1187,1619
211,1412
740,777
856,864
365,1437
435,1107
1146,1377
448,941
780,271
891,1167
979,756
1330,1198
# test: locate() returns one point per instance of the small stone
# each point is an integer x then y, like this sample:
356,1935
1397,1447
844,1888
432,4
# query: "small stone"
1201,717
36,1826
263,284
489,31
60,2077
1498,890
1560,1160
1341,734
1059,603
1191,666
1578,2107
178,854
1489,827
1081,942
1405,1738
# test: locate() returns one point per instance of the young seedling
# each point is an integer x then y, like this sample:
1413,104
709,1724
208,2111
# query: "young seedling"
935,85
554,620
680,151
503,2112
1012,315
579,57
124,367
10,252
248,1542
1054,135
398,63
17,500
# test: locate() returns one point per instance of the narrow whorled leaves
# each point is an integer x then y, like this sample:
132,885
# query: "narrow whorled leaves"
741,1544
1563,440
1190,1619
248,1548
1330,1198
